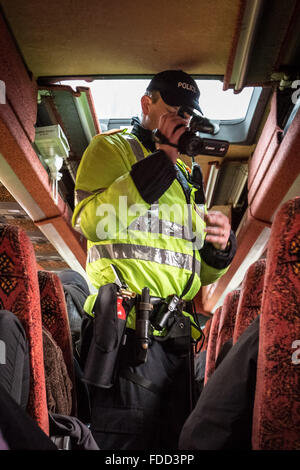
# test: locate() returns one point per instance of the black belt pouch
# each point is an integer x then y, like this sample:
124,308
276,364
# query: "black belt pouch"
107,335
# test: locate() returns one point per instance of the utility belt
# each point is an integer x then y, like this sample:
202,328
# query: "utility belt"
156,320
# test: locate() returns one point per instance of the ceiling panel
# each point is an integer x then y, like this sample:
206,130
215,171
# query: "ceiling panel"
60,37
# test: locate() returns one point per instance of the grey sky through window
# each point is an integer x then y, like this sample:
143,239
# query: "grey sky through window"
120,98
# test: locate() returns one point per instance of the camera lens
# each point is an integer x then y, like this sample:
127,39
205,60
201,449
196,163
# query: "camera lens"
190,144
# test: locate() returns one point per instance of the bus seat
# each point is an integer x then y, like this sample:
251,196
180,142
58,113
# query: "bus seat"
55,320
211,346
250,299
76,291
19,293
276,417
58,383
227,319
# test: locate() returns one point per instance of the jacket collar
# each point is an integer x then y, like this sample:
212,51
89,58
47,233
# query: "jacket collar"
144,135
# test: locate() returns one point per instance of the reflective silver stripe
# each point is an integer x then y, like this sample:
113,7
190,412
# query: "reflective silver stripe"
80,195
150,222
144,253
147,223
136,148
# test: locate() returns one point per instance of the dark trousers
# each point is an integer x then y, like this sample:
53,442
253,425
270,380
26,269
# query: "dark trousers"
131,415
14,358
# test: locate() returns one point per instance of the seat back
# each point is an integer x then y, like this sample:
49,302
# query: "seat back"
227,319
58,383
55,320
19,293
76,292
276,418
211,346
250,299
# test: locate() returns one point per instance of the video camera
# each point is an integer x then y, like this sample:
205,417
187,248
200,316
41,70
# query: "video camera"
192,144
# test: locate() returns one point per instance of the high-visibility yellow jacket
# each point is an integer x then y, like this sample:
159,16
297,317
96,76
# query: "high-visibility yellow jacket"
149,243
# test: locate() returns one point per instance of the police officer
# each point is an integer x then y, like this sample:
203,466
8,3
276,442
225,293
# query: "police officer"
147,225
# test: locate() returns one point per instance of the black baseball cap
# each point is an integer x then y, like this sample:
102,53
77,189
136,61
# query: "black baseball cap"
176,88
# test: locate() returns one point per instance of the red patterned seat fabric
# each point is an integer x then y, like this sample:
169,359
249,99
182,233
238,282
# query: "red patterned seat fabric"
55,320
276,419
227,319
250,299
19,293
211,346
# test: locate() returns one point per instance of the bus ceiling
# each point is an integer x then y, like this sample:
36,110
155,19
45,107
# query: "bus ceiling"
244,41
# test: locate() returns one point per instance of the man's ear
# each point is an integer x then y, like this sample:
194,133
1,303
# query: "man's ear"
146,102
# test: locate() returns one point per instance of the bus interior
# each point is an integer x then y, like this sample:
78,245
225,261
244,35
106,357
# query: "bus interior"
53,53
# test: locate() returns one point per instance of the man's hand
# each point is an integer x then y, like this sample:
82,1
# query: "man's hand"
217,229
172,127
